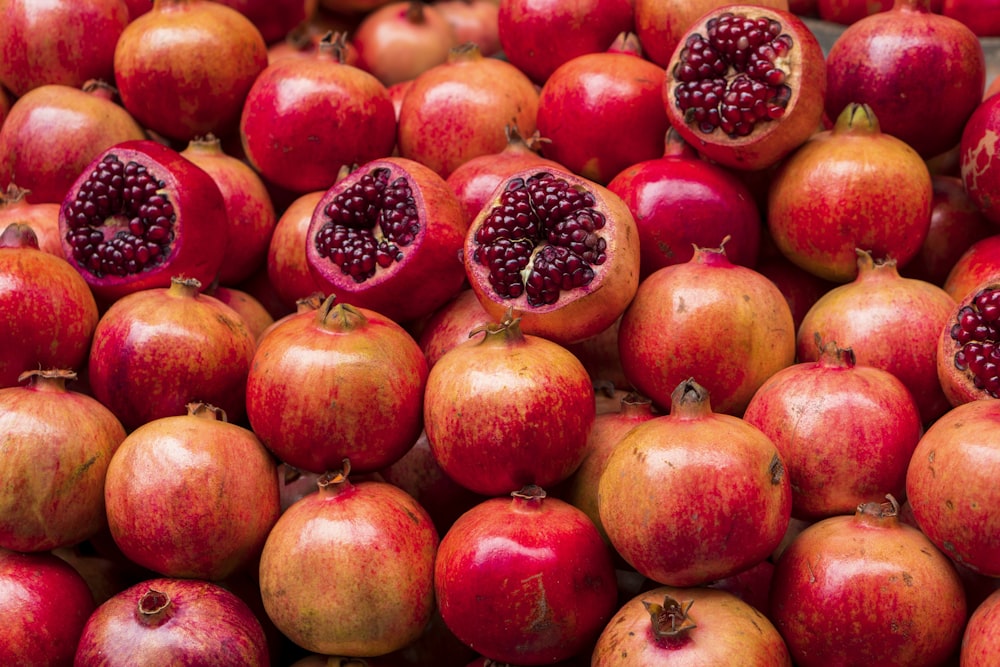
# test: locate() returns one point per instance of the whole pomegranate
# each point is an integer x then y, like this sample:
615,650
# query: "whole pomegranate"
202,54
173,621
846,432
338,382
850,187
49,313
387,227
43,218
689,626
402,39
967,353
680,201
867,589
361,553
527,581
156,350
949,487
57,445
882,60
484,405
746,85
139,214
684,518
45,162
559,249
662,338
287,268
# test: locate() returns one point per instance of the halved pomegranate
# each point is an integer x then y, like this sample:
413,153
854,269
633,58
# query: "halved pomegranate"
746,85
968,351
558,249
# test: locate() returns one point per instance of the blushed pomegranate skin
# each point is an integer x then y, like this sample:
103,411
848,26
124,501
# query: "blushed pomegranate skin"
980,263
451,325
287,268
846,12
42,218
273,19
980,645
402,39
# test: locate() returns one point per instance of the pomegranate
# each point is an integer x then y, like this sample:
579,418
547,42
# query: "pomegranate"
287,268
680,201
44,607
42,218
846,12
192,495
249,208
173,621
867,589
890,322
506,409
202,54
882,60
978,264
976,147
845,432
159,349
475,21
689,626
537,36
45,162
378,544
339,382
49,313
58,42
57,444
388,226
800,288
450,325
682,518
455,111
138,215
745,86
305,118
402,39
967,356
981,17
950,489
980,645
527,581
557,248
275,19
662,339
250,309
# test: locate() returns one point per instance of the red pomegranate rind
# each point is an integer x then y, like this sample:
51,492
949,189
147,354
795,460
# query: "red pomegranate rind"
746,85
140,214
969,348
558,249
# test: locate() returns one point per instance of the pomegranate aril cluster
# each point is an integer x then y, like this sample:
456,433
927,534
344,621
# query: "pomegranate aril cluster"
978,332
368,224
541,239
757,92
120,221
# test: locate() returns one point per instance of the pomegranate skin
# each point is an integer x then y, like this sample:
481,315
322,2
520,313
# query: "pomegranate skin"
978,143
867,589
401,40
981,640
44,605
287,268
979,264
525,581
42,218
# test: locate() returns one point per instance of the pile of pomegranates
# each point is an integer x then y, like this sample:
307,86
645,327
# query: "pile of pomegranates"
499,332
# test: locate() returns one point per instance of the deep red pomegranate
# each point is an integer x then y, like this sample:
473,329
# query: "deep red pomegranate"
558,249
59,42
458,110
173,621
527,581
140,214
977,145
978,264
684,518
45,162
850,187
388,237
867,589
688,627
890,322
287,268
845,431
305,118
275,18
663,337
745,86
402,39
800,288
49,313
980,646
950,488
249,208
967,355
156,350
680,201
42,218
362,553
846,12
506,409
44,607
883,60
202,54
339,382
57,444
451,324
982,17
538,36
192,495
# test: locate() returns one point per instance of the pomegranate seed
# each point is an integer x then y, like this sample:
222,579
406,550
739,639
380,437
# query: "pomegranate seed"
977,332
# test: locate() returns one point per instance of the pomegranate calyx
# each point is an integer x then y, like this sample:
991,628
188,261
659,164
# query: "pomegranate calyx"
52,379
831,355
712,256
879,510
340,317
206,411
857,118
690,400
181,286
154,608
18,235
335,480
529,496
13,195
415,13
506,331
464,52
670,620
